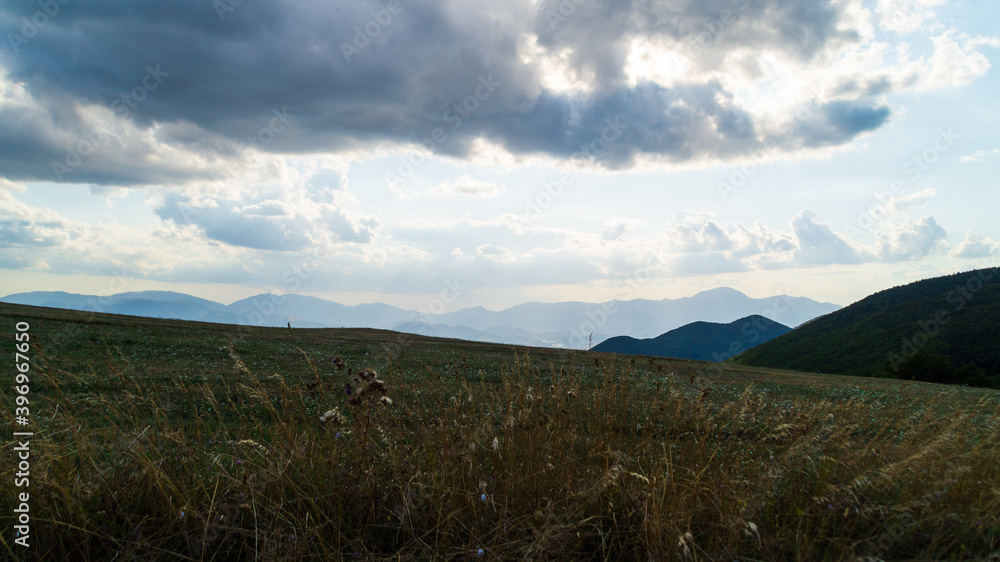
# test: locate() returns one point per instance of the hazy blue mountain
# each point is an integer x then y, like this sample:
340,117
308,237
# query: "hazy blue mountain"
565,325
52,299
167,296
705,341
157,304
639,318
276,310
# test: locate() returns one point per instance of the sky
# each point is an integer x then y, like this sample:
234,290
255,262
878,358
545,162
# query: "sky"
486,153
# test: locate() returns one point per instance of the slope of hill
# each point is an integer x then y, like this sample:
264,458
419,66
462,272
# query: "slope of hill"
194,438
945,329
705,341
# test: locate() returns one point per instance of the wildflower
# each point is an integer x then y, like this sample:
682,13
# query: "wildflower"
483,497
480,552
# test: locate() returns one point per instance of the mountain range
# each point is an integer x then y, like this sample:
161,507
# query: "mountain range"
560,325
704,341
943,329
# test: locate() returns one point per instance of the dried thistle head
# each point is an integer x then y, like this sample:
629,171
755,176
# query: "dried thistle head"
332,416
371,386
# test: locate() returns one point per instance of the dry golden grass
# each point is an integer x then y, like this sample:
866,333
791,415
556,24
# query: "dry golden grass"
612,459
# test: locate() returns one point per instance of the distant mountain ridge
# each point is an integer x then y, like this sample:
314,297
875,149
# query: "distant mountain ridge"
560,325
945,329
704,341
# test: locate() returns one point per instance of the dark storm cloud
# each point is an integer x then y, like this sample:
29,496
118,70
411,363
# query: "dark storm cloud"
840,121
350,74
598,32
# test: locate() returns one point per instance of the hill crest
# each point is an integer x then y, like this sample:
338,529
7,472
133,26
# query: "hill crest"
701,340
943,329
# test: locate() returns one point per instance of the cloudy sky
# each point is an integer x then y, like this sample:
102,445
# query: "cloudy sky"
373,150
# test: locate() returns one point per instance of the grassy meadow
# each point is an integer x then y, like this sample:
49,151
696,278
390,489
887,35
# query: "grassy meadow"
170,440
